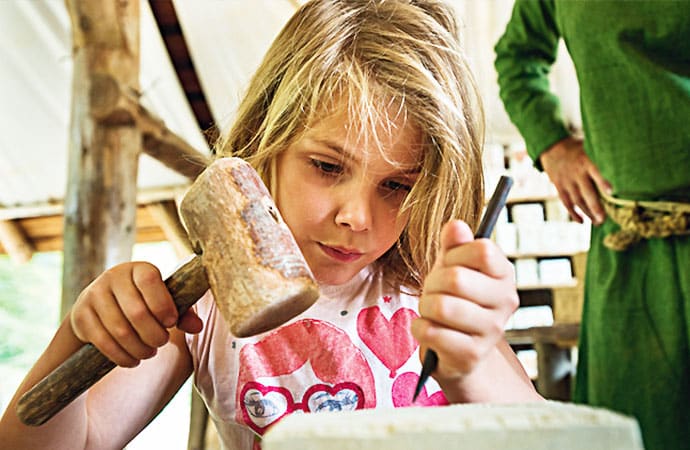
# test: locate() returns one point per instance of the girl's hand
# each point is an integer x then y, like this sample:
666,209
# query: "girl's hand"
466,301
125,312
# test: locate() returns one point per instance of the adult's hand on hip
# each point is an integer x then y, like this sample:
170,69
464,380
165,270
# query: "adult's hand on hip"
576,179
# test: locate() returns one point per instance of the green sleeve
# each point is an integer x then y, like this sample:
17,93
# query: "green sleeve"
524,56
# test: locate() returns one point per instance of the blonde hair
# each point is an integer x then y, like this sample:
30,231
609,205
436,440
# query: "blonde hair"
374,54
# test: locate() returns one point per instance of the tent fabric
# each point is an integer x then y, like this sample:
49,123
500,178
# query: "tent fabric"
226,40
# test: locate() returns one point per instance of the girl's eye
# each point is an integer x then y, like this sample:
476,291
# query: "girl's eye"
327,168
397,187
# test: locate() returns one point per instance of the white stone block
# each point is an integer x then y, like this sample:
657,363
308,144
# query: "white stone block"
552,238
535,426
527,214
506,237
555,271
532,316
526,272
530,239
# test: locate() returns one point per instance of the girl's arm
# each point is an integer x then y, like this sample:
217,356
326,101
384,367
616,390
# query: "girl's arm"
116,408
466,301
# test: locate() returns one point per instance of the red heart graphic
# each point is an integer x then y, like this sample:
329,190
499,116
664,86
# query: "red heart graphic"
262,405
341,397
403,391
390,340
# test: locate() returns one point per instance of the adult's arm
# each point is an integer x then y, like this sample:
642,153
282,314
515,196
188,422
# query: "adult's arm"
524,56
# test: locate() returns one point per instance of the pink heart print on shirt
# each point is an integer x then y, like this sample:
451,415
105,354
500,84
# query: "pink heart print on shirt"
339,375
405,384
390,340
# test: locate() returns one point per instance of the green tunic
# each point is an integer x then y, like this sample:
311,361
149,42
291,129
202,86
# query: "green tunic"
633,66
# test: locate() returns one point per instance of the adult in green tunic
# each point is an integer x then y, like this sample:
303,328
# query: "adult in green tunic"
633,67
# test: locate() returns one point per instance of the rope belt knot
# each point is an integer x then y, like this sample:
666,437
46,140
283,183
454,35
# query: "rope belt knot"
644,220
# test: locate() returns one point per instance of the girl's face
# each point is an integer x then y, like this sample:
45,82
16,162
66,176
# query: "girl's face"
340,197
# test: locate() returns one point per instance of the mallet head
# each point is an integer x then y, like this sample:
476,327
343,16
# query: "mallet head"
255,269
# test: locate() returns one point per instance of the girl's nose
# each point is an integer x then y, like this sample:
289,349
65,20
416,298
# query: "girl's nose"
355,210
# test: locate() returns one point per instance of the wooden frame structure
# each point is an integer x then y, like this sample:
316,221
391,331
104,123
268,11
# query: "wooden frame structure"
103,213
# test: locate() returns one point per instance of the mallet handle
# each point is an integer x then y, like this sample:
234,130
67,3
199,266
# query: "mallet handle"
88,365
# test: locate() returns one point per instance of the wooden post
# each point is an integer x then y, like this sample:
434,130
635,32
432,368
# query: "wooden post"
100,199
555,371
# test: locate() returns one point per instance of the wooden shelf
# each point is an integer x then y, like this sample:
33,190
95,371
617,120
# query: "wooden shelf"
542,255
563,335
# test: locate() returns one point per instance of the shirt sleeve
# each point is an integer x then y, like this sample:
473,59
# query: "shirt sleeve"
524,56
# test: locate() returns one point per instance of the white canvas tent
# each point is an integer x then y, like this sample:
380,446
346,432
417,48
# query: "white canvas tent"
226,40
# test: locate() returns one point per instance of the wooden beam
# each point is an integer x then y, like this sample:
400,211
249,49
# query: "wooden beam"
564,335
170,149
15,242
43,224
198,423
47,236
45,233
33,210
144,197
113,104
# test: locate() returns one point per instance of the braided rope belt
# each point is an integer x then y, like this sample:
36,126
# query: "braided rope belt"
643,220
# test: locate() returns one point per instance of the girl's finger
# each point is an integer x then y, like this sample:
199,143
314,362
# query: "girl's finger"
601,183
134,310
89,327
113,314
481,255
458,314
569,205
463,350
455,233
190,323
147,279
468,284
590,197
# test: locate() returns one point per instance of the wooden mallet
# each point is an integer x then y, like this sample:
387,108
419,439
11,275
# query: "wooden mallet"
245,253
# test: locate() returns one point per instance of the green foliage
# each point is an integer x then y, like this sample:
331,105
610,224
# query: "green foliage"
29,307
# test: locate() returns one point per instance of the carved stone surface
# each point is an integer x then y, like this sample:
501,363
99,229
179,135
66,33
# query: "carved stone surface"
534,426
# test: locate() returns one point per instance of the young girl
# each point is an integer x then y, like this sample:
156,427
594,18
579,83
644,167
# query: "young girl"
365,124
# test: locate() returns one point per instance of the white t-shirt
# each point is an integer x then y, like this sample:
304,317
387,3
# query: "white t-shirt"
351,350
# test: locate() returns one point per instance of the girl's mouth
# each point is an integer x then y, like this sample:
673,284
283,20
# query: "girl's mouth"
341,254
